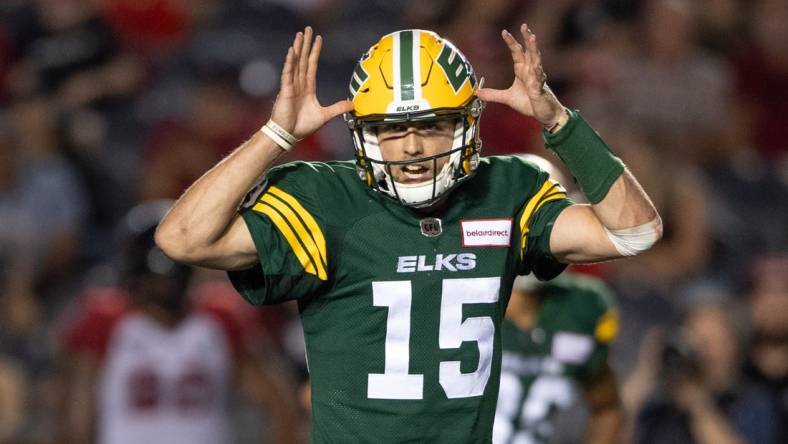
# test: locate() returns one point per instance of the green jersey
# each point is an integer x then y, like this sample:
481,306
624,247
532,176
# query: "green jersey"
569,342
401,311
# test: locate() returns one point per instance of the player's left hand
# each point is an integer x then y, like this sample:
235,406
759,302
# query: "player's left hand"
529,93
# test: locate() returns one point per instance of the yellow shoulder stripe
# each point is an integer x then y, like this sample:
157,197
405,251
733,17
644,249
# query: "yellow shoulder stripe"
607,327
311,224
550,191
282,226
549,198
289,217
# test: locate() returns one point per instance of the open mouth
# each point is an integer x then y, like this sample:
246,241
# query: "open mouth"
414,174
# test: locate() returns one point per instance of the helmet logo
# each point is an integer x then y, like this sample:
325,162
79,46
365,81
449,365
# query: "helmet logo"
406,108
431,227
457,70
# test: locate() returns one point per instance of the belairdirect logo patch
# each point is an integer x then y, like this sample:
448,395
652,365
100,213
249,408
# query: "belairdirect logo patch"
486,232
431,227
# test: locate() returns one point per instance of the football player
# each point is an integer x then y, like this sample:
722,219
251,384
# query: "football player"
557,334
145,366
402,261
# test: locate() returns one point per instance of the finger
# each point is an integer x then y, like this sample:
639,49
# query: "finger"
527,67
311,73
514,46
533,66
297,44
343,106
287,70
531,46
303,58
297,41
530,37
494,95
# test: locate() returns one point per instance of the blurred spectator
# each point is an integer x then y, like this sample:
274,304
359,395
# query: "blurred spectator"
670,87
65,50
153,27
43,199
6,56
762,79
585,39
14,234
721,25
745,222
768,354
144,366
698,393
13,391
647,284
219,117
65,53
681,196
25,353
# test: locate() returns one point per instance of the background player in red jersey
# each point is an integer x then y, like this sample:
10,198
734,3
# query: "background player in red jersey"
145,366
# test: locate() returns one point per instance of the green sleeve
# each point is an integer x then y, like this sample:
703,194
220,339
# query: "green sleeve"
289,239
535,222
541,260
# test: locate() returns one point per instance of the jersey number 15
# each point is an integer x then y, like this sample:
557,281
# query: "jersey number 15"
395,382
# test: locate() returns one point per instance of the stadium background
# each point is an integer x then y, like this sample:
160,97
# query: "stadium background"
108,103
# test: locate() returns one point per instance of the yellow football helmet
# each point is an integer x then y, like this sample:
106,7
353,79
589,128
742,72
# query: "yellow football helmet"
414,76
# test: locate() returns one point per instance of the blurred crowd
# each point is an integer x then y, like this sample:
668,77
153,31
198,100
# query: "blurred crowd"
105,104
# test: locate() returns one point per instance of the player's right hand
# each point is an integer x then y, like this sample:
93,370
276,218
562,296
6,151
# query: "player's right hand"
297,109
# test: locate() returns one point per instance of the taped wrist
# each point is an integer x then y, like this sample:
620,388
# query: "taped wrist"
594,166
635,240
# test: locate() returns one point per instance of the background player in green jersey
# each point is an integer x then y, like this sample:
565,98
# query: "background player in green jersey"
555,337
402,262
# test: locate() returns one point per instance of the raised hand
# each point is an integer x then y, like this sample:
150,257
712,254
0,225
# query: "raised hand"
297,109
529,93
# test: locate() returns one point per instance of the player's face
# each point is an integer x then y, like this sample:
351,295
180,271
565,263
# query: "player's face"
416,140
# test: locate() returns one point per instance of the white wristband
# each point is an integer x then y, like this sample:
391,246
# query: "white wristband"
282,143
279,135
